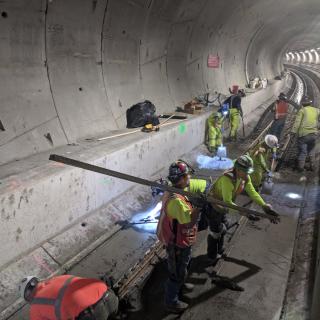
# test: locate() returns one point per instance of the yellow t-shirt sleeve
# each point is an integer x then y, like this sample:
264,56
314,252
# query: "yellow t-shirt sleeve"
179,210
226,188
253,194
197,185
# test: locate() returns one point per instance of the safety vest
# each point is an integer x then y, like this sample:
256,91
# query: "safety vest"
65,297
309,123
170,231
242,184
281,109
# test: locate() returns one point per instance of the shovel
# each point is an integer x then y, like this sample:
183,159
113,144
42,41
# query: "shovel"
243,131
267,185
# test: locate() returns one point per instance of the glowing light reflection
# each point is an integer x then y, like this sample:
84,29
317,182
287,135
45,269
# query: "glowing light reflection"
292,195
149,216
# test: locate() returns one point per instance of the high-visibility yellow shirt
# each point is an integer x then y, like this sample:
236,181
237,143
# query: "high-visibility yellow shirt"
225,189
307,121
178,209
260,156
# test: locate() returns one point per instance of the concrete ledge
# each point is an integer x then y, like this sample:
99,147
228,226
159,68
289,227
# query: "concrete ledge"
52,214
43,201
31,200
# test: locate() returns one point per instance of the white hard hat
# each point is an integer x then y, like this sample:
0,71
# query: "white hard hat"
271,140
27,285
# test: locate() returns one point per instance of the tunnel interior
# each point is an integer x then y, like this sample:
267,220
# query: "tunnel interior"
71,69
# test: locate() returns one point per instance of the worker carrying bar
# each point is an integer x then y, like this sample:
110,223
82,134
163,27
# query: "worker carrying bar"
197,199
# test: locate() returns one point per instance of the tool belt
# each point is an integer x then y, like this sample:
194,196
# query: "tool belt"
89,313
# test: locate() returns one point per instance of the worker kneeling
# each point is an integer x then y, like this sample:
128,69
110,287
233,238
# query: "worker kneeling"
214,132
261,155
68,297
177,230
226,188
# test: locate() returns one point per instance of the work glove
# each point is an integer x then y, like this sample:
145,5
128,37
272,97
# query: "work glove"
199,201
269,174
267,208
212,149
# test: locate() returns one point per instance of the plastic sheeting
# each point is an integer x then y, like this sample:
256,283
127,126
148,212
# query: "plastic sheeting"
215,163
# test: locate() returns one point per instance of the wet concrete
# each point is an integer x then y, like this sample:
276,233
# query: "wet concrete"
259,261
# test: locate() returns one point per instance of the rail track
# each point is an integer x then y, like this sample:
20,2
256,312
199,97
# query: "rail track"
138,274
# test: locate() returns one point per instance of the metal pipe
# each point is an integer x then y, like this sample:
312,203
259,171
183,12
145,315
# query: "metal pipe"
120,175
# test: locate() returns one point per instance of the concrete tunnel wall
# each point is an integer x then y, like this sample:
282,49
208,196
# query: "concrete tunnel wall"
45,200
71,68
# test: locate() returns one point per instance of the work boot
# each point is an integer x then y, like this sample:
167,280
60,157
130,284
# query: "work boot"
178,307
310,167
253,217
188,286
213,261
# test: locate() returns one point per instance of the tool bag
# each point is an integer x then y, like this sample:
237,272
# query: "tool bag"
141,114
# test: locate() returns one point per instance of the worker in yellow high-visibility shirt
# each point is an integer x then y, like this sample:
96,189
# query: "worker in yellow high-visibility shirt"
214,132
306,128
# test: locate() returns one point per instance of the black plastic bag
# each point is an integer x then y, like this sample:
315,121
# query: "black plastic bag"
141,114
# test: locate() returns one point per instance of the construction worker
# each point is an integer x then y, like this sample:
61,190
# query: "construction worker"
177,230
214,132
306,128
235,112
280,114
68,297
261,154
226,188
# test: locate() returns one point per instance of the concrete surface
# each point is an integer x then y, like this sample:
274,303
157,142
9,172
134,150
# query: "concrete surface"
259,262
40,202
63,210
107,258
71,69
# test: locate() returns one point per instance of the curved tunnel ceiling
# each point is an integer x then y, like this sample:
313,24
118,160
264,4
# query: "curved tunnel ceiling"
70,69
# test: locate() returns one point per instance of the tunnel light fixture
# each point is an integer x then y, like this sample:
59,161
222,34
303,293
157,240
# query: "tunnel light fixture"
292,56
309,56
317,57
304,57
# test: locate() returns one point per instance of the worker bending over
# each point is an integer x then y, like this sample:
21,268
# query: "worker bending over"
68,297
261,155
306,128
177,229
214,132
226,188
